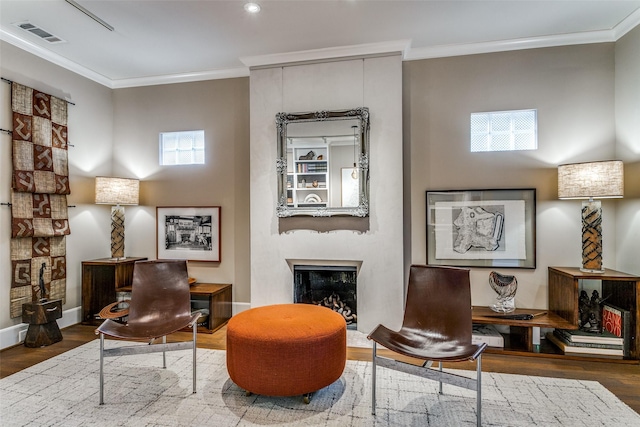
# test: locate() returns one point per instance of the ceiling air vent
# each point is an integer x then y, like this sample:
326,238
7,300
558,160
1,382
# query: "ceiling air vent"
35,30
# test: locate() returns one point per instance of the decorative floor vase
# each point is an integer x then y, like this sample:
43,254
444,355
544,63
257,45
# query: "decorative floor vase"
505,288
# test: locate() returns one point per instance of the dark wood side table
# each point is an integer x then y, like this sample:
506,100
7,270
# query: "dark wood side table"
619,289
101,280
219,296
41,317
522,329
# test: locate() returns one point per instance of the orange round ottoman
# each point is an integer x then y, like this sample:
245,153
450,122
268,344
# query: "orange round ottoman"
286,349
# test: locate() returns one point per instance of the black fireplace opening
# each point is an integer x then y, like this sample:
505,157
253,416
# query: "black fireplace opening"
334,287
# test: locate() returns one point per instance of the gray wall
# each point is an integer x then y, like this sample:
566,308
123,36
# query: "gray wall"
221,109
573,90
627,85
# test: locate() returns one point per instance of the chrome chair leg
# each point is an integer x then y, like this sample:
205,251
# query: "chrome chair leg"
479,390
373,381
164,353
195,334
440,369
101,369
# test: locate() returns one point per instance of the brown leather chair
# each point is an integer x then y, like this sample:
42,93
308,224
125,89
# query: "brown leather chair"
437,327
160,305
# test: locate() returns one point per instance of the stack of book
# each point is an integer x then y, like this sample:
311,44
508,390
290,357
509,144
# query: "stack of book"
487,334
587,343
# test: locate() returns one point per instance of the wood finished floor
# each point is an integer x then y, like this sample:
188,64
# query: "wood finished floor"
623,380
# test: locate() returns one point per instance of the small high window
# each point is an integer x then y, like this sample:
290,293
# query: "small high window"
182,148
504,131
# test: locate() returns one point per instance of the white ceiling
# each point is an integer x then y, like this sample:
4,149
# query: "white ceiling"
170,41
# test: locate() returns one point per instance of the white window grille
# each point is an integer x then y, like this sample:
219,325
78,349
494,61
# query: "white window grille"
504,131
182,148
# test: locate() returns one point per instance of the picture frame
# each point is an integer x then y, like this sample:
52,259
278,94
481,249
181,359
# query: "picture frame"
188,233
482,228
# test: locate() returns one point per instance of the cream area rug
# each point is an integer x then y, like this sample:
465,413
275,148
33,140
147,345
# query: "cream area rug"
63,391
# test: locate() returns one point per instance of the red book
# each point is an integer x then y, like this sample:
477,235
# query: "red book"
617,321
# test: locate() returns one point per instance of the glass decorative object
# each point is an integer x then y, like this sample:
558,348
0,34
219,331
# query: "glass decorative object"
505,288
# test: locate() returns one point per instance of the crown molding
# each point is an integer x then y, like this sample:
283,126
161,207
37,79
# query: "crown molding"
53,58
602,36
226,73
59,60
314,55
509,45
628,24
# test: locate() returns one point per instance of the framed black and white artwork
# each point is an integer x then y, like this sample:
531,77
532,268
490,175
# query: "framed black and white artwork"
189,233
482,228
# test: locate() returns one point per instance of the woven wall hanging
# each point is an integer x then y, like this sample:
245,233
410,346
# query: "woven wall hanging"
40,183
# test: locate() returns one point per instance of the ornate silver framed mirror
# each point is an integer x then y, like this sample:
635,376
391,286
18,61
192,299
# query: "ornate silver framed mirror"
323,163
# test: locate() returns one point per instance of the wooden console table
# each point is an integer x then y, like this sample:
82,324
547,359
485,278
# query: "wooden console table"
101,279
219,297
619,289
521,331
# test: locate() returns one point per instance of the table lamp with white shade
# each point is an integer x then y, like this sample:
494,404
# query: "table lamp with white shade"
117,192
590,181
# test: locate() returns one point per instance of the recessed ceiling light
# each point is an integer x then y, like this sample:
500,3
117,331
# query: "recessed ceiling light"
252,7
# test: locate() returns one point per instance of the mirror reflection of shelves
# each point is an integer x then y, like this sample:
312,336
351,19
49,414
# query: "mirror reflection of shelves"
342,139
308,176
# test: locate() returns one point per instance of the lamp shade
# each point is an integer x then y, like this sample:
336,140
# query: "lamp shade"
591,180
117,191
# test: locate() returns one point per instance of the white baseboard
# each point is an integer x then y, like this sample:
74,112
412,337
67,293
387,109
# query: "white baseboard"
15,334
239,307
